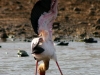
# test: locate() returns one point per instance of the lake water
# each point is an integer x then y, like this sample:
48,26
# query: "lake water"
78,58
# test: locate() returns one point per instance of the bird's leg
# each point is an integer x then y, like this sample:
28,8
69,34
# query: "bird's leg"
59,68
36,67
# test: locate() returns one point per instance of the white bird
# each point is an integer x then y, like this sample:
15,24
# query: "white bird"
46,53
42,47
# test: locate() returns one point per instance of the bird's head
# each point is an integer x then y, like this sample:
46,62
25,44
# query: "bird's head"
41,69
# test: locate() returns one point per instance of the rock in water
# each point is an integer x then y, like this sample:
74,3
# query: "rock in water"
22,53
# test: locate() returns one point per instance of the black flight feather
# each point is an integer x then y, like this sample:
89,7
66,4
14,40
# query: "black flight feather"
39,8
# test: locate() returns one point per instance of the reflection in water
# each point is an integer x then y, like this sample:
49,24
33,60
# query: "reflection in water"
77,58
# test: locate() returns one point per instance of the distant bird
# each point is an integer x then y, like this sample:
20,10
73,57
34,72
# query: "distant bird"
42,47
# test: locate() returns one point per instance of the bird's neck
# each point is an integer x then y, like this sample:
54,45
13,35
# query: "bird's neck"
44,34
43,67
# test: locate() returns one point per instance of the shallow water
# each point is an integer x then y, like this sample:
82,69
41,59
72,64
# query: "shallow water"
78,58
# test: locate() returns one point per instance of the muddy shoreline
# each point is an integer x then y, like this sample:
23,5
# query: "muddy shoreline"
76,19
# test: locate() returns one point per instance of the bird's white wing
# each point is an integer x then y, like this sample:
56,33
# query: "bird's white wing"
34,42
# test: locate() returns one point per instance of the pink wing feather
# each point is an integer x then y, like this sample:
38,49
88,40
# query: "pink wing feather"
45,21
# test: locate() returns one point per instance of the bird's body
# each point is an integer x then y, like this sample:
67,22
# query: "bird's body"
45,56
42,47
49,50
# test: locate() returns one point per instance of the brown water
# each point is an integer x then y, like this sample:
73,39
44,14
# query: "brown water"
76,59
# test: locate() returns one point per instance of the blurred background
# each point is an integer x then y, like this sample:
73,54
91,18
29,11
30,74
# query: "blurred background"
76,19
